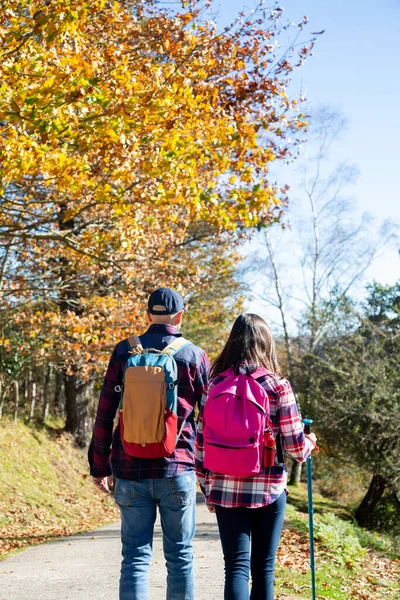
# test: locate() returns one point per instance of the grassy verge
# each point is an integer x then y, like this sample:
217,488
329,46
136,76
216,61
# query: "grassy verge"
351,563
45,488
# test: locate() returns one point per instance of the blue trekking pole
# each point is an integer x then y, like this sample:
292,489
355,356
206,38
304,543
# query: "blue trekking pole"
307,429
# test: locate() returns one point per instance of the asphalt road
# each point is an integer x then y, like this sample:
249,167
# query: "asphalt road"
86,566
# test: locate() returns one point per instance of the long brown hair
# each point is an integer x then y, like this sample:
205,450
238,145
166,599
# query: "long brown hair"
250,340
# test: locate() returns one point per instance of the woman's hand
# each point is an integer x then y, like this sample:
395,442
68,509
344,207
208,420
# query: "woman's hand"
313,439
210,508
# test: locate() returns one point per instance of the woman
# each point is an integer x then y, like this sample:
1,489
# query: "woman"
252,508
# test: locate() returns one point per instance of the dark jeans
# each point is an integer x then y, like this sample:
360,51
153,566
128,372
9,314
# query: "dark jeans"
263,526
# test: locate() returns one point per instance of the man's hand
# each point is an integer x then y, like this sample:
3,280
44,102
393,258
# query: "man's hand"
210,508
104,484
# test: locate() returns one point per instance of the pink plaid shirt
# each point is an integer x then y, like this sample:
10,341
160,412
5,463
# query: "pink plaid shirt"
265,487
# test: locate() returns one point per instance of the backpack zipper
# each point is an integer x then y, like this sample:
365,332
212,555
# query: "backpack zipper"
254,403
223,446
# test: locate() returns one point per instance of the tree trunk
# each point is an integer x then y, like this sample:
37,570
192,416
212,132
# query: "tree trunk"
85,392
92,405
374,494
75,401
295,474
26,392
29,388
57,392
71,405
76,405
46,386
33,401
282,310
16,397
2,395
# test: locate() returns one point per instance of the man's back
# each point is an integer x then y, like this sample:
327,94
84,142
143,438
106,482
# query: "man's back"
193,365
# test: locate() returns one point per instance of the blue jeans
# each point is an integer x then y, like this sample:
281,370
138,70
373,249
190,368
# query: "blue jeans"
263,526
138,501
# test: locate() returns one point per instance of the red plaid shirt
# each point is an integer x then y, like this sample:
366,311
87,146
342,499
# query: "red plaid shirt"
267,486
106,453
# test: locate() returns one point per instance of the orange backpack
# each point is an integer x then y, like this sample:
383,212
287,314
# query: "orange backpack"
149,400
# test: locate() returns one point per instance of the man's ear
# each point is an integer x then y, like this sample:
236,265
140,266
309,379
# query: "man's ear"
149,316
178,317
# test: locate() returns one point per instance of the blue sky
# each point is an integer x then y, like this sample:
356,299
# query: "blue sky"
355,68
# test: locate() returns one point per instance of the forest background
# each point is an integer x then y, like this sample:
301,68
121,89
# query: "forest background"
139,148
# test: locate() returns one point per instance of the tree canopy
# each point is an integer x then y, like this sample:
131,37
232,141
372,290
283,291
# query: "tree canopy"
135,149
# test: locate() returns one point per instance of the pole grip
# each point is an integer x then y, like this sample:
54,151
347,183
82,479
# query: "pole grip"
307,425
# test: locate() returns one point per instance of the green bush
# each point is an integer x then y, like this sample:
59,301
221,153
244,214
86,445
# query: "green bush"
339,538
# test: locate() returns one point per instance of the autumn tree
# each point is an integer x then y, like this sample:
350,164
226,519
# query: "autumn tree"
124,128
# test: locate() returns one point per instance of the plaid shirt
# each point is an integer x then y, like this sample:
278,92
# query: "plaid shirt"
266,487
193,366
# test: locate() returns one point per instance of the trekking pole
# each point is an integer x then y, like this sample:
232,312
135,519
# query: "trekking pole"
307,429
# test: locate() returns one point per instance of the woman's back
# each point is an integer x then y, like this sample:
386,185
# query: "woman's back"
268,484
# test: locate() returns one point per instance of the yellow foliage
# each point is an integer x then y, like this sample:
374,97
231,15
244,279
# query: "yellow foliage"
123,139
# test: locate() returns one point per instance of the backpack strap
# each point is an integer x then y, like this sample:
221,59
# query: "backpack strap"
134,342
172,349
175,346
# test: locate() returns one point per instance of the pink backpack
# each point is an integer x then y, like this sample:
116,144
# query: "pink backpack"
238,437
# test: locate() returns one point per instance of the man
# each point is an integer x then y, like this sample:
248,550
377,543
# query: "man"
142,484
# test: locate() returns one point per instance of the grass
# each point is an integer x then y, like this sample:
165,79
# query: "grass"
45,488
351,562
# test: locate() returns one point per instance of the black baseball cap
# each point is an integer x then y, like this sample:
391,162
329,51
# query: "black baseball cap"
167,301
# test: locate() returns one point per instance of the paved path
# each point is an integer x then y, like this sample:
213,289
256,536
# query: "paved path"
86,566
